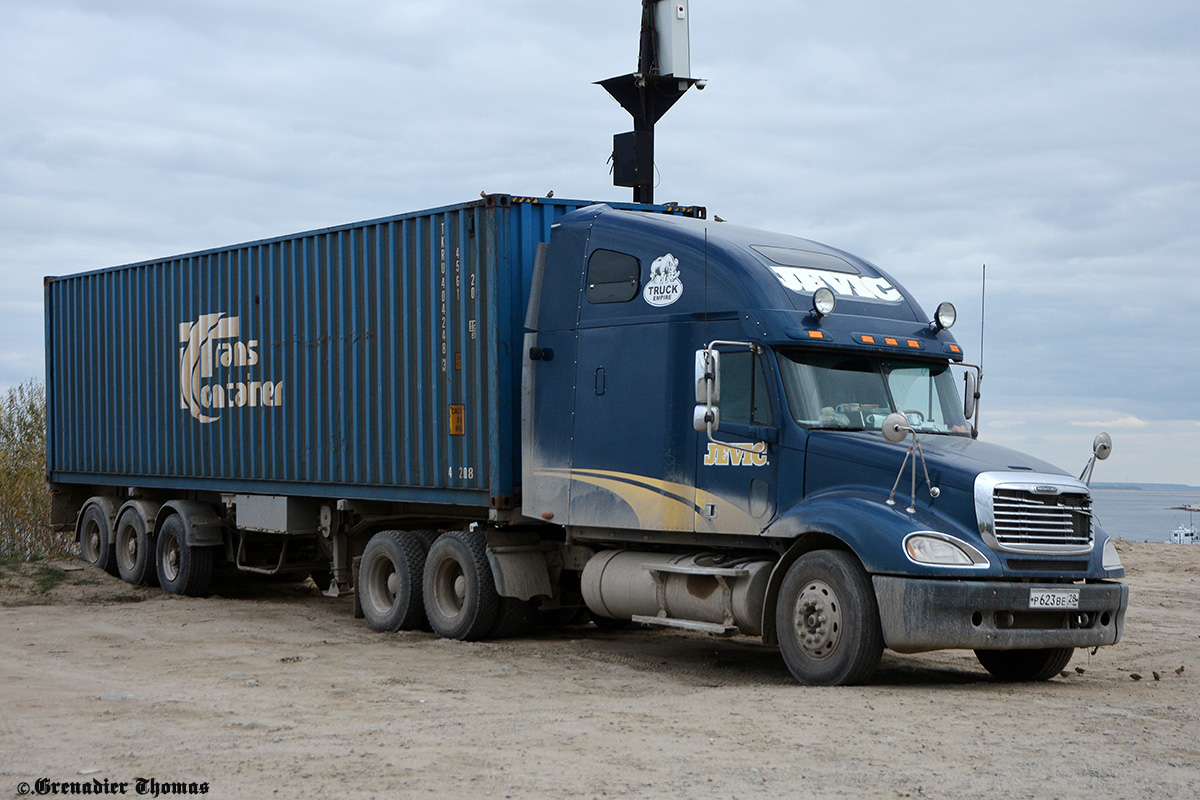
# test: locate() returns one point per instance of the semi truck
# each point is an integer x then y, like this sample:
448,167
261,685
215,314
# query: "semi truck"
487,415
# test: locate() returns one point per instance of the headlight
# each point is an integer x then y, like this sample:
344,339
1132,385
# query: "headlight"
938,549
944,317
823,301
1111,559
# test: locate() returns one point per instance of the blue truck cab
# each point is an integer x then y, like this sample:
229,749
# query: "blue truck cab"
746,431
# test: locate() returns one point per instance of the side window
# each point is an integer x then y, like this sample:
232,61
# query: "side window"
744,398
612,277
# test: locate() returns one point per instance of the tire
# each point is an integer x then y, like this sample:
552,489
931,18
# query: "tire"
96,539
181,569
1012,666
133,548
827,620
609,623
513,617
390,584
460,592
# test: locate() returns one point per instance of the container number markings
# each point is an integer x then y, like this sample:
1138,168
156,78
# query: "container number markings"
1054,598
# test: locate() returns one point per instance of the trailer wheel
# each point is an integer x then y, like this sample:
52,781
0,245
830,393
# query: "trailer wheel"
390,581
181,569
134,549
1025,665
460,592
95,539
828,620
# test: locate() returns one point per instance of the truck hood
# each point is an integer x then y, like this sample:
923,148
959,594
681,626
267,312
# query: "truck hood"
952,460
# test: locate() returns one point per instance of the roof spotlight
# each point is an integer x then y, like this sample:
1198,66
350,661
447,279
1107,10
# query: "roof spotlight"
944,317
823,301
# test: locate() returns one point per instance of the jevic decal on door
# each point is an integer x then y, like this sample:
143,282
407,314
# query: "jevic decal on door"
736,454
210,342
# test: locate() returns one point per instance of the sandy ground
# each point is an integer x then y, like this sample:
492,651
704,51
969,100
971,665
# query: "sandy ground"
269,690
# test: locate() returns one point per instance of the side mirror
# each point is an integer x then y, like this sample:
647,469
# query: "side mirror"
1102,446
895,427
970,390
708,368
701,416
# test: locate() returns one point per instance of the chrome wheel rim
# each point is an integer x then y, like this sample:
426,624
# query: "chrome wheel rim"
382,583
818,620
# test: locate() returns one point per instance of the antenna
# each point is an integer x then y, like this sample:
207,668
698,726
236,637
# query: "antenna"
982,315
662,77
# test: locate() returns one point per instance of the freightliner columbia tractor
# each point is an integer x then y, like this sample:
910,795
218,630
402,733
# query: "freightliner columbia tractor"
491,414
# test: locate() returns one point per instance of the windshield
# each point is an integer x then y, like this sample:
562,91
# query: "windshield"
856,392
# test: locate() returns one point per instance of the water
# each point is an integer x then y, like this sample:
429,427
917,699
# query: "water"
1142,516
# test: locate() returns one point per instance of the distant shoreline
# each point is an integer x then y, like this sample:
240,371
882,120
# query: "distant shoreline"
1145,487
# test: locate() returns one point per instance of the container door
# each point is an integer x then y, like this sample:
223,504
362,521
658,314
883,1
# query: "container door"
736,478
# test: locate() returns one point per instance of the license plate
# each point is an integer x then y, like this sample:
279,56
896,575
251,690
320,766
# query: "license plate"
1054,598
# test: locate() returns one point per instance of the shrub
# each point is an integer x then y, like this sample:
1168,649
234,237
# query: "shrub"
24,497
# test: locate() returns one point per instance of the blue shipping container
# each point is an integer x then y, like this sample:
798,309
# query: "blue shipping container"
377,360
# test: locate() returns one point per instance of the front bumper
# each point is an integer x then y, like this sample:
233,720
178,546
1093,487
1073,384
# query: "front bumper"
920,615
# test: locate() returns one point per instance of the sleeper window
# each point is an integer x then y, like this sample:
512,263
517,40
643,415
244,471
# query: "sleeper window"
612,277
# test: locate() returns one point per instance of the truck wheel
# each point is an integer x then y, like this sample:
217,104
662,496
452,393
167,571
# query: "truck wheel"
1025,665
513,617
134,550
95,539
460,592
827,619
389,581
181,569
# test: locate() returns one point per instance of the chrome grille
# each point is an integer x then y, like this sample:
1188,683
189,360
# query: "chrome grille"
1027,518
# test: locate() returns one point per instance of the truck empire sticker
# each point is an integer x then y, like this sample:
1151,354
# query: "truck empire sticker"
736,454
201,351
808,280
664,286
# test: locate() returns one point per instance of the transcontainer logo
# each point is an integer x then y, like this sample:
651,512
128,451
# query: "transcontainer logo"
211,342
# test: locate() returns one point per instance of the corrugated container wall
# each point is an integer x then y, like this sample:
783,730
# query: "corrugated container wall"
372,360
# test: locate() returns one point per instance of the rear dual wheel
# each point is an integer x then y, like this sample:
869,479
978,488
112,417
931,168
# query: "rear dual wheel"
134,549
182,569
390,585
460,593
96,539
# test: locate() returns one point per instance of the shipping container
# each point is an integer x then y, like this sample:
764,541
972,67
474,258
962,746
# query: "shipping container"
374,360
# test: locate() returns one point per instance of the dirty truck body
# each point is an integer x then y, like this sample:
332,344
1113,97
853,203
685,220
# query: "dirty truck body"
514,410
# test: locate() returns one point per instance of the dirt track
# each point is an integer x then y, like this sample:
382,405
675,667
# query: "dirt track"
267,690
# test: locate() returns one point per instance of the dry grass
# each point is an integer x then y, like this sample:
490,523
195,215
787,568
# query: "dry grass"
24,498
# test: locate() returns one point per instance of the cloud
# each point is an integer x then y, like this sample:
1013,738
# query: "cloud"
1118,422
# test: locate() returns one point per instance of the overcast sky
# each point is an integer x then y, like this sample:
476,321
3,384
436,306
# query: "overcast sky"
1056,141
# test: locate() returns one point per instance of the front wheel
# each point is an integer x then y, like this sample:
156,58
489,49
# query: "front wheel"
181,569
1015,666
827,619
